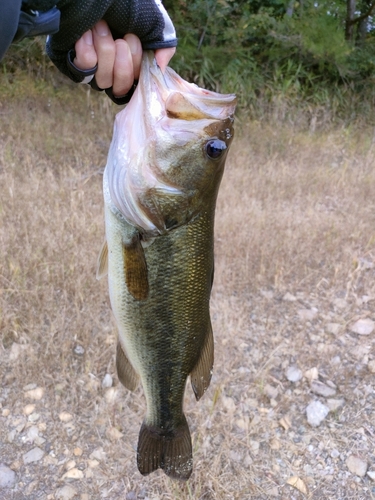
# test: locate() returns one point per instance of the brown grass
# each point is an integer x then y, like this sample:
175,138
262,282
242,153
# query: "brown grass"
296,214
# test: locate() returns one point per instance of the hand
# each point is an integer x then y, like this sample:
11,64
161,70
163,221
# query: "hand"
119,61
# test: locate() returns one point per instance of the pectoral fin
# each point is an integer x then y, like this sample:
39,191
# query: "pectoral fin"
102,265
200,376
125,371
136,269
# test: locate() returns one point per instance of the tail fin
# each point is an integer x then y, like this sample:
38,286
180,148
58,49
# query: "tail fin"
171,451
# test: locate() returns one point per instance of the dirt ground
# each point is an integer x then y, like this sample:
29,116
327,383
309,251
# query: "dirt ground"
293,312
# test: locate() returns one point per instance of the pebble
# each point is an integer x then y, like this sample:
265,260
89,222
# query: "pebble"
293,374
111,394
28,409
73,473
79,350
307,314
371,474
335,453
312,374
333,328
316,413
357,466
98,454
65,493
371,366
7,477
322,389
271,391
77,452
363,326
288,297
65,416
107,381
335,404
36,393
33,455
229,404
113,434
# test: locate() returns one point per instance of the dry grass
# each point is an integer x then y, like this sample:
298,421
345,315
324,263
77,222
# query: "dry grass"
296,214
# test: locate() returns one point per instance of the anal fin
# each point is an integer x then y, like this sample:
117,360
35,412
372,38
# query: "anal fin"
125,371
102,265
201,374
171,451
135,269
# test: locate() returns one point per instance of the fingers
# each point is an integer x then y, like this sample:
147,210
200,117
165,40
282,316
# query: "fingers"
106,52
163,56
86,57
119,61
127,64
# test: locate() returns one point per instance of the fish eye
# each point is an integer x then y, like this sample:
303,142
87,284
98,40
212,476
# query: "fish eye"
215,148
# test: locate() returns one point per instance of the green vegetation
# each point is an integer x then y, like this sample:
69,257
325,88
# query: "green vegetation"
309,61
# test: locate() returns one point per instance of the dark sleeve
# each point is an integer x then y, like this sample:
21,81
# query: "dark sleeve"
9,16
145,18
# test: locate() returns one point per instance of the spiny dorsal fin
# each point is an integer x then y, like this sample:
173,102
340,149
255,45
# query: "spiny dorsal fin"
135,269
102,264
171,451
125,371
200,376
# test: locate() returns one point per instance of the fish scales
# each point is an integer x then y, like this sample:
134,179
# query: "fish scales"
159,252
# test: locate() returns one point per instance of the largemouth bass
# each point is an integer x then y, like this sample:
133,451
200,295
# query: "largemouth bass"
160,187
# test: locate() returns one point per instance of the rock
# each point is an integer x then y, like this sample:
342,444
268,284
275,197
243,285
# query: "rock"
32,434
131,495
357,465
79,350
307,314
113,434
73,473
65,493
316,413
333,328
335,404
288,297
107,381
271,391
298,484
33,455
363,326
335,453
371,474
111,394
322,389
77,452
312,374
29,409
98,454
5,412
7,477
229,404
65,416
340,303
36,393
371,366
293,374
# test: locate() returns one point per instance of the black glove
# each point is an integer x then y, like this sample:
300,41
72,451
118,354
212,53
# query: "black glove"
147,19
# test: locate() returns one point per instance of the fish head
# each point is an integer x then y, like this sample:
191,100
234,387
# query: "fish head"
168,152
